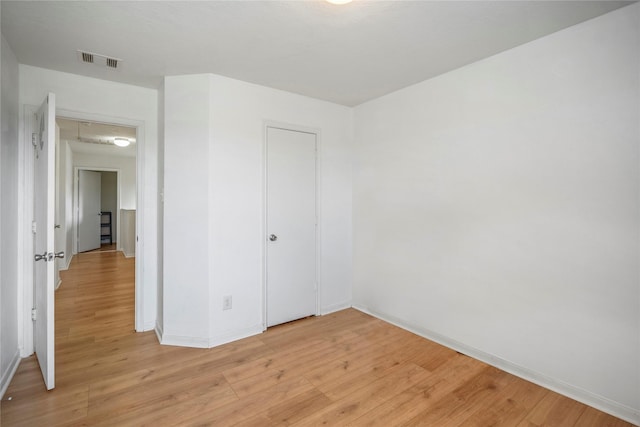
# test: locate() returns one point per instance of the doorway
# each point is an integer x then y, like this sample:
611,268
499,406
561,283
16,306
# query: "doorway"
64,230
98,188
291,225
98,212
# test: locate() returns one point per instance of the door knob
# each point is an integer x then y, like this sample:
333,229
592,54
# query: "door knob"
273,237
59,254
43,257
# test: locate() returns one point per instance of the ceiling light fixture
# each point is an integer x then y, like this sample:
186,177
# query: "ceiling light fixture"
121,142
339,2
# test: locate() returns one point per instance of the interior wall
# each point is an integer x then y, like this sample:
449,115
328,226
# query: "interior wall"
9,176
109,199
239,112
186,214
497,210
214,136
97,97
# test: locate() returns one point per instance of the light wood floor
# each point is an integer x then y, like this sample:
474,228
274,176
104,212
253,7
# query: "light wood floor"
346,368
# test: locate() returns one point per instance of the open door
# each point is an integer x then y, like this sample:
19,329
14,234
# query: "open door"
43,228
89,194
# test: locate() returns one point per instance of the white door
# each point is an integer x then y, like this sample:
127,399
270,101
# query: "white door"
44,259
89,189
291,225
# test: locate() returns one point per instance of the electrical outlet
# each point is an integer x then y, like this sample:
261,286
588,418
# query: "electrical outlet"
226,302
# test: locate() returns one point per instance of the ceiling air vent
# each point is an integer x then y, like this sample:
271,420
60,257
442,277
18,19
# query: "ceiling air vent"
113,63
87,57
98,59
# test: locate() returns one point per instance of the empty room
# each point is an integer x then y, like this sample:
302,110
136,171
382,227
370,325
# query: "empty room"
320,213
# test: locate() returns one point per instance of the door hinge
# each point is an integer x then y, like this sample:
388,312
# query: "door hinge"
34,314
34,227
34,139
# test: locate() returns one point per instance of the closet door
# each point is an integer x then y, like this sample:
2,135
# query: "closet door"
291,225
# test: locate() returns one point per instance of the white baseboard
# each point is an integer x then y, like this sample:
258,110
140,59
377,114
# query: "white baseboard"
8,374
335,307
67,260
64,267
128,255
214,341
158,330
182,341
235,335
149,326
601,403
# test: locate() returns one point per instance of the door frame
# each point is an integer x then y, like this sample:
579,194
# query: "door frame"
76,202
25,215
263,226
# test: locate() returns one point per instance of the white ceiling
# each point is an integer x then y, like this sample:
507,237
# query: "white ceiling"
96,138
344,54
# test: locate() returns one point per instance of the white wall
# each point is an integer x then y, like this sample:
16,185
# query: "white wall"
497,210
238,114
186,213
9,176
98,99
214,136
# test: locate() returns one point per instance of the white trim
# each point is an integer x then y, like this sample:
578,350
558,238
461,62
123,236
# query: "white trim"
263,229
237,334
335,307
149,326
317,133
68,262
25,235
159,332
183,341
601,403
140,206
8,374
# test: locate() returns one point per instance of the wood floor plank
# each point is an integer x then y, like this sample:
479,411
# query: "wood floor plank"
508,406
251,405
591,417
425,395
345,368
297,408
355,399
554,410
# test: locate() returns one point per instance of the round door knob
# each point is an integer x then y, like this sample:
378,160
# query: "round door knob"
43,257
273,237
